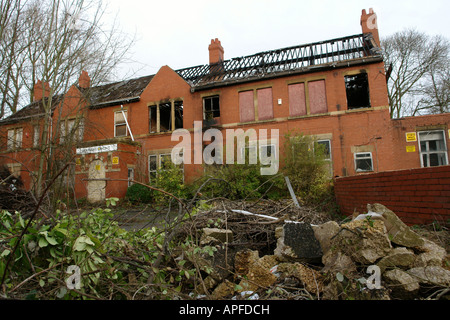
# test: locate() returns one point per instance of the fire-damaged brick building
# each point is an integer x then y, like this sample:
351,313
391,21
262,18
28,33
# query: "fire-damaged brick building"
333,90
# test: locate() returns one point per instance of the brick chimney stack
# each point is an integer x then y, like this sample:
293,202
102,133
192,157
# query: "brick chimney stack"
41,90
84,81
369,24
215,52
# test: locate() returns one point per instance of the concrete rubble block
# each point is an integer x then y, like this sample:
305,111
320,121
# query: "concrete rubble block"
298,243
311,279
336,261
399,233
324,233
400,257
363,241
402,285
431,276
223,290
431,254
243,260
257,277
218,234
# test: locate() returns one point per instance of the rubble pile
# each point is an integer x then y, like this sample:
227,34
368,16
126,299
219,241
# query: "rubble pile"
13,197
374,256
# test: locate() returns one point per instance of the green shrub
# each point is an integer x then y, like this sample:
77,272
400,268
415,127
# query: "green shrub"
138,193
307,169
238,181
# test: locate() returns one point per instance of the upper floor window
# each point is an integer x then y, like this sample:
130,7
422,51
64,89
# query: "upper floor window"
211,107
316,103
120,125
71,130
433,149
262,98
165,116
357,90
14,138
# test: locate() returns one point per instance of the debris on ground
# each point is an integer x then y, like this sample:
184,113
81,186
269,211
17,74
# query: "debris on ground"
301,254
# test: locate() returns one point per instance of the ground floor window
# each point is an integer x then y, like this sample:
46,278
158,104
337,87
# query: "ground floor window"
363,162
161,162
433,149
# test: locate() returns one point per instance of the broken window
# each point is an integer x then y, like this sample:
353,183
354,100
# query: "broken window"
14,138
170,116
433,150
357,89
152,119
120,125
211,108
363,162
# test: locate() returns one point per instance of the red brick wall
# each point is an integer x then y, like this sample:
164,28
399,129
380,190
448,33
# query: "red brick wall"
417,196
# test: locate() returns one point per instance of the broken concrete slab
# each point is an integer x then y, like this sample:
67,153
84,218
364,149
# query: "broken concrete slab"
432,275
325,232
400,257
221,235
399,233
402,285
298,243
363,241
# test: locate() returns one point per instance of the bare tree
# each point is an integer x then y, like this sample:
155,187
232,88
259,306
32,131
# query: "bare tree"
418,72
53,41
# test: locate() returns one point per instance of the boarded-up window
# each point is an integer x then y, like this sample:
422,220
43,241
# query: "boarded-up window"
246,106
317,97
265,104
297,102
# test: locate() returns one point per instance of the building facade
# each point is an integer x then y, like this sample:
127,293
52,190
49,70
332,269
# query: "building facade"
333,90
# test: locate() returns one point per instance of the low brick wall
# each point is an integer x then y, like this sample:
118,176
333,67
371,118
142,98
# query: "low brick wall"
417,196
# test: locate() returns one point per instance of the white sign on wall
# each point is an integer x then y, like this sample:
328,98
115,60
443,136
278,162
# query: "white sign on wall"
97,149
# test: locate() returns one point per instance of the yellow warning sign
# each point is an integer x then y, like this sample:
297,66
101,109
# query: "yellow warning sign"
78,161
97,167
410,148
115,160
411,136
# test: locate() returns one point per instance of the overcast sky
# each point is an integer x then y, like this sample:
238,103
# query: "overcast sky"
177,33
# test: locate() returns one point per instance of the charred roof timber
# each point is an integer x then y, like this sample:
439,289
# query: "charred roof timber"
356,49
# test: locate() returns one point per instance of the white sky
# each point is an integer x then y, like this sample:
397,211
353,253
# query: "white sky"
177,32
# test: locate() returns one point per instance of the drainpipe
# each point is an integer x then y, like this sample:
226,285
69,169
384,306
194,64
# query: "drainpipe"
126,121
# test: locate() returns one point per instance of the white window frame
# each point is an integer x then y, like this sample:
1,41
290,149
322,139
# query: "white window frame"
125,113
421,153
330,157
14,140
368,156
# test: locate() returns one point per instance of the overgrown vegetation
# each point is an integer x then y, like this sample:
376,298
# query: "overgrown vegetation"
309,171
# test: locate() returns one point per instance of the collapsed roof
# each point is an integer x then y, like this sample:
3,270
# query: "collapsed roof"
340,52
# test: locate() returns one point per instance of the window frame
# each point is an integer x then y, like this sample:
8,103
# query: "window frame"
422,153
353,107
14,143
213,110
125,113
355,157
